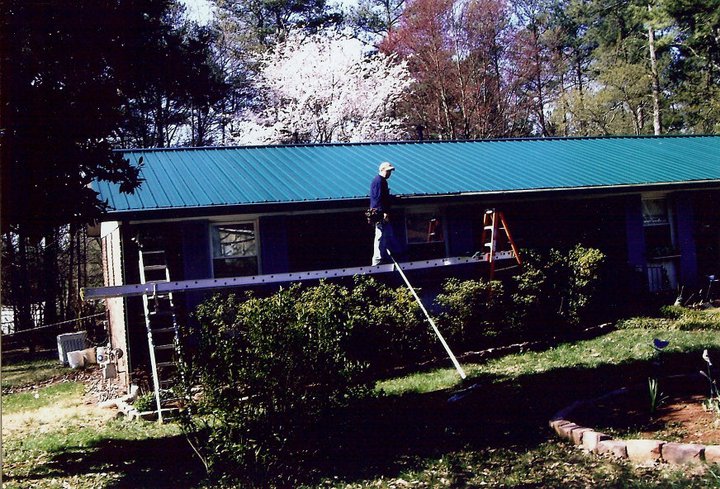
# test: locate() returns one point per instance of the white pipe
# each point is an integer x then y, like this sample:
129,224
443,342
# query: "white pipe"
427,315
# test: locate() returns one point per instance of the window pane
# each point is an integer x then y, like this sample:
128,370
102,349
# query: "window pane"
236,240
235,267
424,228
234,250
655,212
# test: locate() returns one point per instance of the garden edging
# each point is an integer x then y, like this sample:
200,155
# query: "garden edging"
640,451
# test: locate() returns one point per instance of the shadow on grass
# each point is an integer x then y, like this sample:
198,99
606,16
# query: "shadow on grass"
157,463
388,435
382,437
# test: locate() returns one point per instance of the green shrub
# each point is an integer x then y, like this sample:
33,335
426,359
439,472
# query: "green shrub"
472,311
584,280
273,370
556,289
691,319
644,323
676,318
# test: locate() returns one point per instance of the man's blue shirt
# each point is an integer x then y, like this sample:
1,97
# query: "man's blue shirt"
380,194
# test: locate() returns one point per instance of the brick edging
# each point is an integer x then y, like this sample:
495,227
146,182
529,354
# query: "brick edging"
635,450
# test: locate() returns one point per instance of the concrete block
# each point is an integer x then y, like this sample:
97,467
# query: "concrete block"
592,438
565,430
644,451
555,423
682,453
616,448
576,435
712,454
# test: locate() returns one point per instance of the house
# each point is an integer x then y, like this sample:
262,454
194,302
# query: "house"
646,202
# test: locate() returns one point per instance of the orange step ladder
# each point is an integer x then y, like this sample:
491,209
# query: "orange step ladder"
494,226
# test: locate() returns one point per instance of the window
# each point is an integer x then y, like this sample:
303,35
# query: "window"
424,227
425,235
659,236
660,246
234,248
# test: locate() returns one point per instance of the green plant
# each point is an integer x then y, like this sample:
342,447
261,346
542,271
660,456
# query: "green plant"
583,282
556,289
273,370
147,401
472,310
712,403
657,398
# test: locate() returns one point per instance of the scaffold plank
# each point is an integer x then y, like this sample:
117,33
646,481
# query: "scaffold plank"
150,288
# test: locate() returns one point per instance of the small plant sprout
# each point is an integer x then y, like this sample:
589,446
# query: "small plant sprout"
712,403
657,398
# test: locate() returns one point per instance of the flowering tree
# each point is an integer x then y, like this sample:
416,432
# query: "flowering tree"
324,88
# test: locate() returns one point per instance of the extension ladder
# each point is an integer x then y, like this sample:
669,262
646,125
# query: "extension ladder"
160,323
493,224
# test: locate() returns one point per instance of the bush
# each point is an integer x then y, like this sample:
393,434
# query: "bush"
675,318
556,290
273,370
472,312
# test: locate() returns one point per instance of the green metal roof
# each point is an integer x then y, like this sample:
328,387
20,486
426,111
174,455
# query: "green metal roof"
195,178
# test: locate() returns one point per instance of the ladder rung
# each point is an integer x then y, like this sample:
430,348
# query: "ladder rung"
150,268
155,252
161,313
165,364
163,330
165,347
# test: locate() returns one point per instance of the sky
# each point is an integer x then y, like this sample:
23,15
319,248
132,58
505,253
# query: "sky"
201,10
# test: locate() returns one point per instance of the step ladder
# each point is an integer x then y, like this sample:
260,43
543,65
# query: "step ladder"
160,323
495,230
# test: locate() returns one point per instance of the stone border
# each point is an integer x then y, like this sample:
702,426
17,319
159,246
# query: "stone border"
641,451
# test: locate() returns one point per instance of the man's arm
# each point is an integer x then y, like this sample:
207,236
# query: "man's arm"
376,200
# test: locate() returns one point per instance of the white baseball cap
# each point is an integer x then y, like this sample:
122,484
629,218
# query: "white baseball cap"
385,166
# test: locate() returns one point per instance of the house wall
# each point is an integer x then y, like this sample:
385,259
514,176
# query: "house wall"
336,239
706,231
115,307
686,240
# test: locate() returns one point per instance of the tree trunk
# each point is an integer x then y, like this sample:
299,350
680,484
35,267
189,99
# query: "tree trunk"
50,275
657,127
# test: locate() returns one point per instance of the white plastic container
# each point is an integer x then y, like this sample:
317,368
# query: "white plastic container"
76,359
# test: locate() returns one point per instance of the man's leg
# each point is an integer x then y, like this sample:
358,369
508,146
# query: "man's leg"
379,244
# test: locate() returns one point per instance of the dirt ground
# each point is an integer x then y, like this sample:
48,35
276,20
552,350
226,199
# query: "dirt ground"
48,418
680,417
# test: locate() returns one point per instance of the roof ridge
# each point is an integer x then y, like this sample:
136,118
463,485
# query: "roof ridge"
423,142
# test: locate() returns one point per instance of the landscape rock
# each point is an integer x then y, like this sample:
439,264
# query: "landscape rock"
592,438
683,453
644,451
577,434
565,430
616,448
712,454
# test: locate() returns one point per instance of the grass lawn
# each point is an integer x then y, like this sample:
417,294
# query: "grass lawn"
494,435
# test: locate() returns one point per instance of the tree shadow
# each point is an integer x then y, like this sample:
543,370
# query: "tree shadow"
157,463
387,435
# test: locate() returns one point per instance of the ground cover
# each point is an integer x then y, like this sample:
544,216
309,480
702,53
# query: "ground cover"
55,437
426,429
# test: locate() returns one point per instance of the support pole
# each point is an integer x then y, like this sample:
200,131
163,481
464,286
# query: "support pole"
427,315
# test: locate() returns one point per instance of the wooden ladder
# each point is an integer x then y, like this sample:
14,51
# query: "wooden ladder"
161,324
493,224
